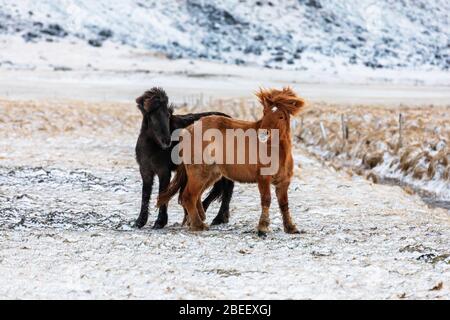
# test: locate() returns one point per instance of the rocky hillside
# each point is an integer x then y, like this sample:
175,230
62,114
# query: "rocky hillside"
288,34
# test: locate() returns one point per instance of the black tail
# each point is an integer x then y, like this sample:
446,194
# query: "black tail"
223,190
216,193
177,184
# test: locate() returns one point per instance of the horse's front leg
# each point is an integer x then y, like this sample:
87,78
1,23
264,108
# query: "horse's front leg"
147,183
282,196
264,220
164,180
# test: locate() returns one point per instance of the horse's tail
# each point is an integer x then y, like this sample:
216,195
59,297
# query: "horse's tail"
222,191
177,184
215,193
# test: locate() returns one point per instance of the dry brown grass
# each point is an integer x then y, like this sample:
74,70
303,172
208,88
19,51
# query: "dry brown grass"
47,118
374,137
77,118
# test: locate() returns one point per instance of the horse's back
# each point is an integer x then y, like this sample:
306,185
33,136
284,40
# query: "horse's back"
223,123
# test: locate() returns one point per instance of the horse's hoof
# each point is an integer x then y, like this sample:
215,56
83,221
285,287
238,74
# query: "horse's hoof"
202,227
217,221
159,224
262,234
292,230
139,223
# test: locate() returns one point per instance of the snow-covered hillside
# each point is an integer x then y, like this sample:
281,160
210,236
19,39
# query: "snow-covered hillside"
292,34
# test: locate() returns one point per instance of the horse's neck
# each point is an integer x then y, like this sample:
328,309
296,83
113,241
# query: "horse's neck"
285,140
147,133
173,123
182,121
144,124
284,147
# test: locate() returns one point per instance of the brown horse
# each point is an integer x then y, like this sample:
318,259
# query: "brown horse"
193,178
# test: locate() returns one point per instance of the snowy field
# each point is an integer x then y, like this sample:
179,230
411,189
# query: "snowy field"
72,70
70,190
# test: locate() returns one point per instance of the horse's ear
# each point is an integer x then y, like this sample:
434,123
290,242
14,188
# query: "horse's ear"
140,102
297,106
300,103
171,107
294,103
263,98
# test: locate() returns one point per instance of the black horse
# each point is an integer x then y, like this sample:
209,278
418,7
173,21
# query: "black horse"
153,154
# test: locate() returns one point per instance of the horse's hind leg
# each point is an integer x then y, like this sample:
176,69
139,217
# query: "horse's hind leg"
200,210
282,196
223,215
185,218
189,199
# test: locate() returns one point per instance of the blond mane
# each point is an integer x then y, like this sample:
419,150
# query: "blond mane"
285,99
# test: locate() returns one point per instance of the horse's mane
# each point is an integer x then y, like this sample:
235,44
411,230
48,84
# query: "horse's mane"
153,98
285,99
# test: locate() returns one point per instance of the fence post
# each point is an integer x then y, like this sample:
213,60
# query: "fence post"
400,128
323,132
301,128
344,128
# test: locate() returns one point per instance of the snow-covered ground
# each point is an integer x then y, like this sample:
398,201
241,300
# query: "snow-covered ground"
70,190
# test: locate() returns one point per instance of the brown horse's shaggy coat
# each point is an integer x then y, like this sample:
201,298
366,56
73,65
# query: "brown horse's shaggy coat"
193,179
